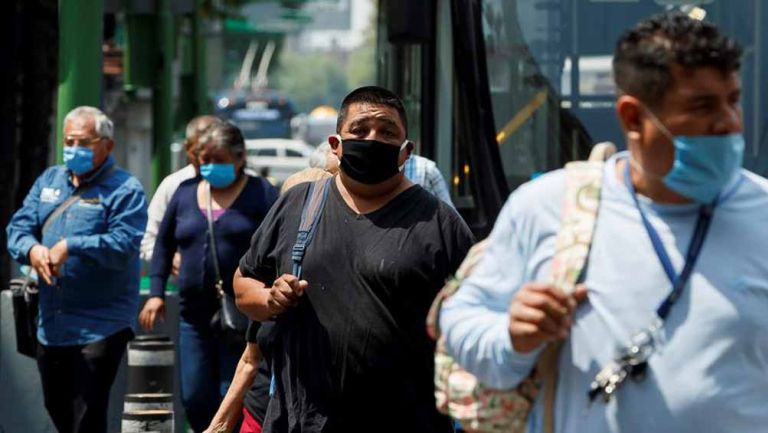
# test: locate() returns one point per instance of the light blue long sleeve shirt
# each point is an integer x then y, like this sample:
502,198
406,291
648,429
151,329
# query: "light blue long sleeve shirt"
97,293
424,172
710,373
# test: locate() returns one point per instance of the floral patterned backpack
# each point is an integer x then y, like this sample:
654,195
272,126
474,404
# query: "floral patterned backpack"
457,392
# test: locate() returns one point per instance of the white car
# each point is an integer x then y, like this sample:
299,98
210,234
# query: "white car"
282,157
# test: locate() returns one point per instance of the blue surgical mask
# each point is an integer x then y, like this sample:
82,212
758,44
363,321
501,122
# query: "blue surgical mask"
218,175
703,164
78,159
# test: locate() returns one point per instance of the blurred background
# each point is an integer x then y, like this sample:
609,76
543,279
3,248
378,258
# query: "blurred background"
274,68
496,91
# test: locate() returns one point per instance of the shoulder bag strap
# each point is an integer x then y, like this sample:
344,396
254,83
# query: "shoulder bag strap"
73,198
310,216
209,217
584,180
311,211
63,206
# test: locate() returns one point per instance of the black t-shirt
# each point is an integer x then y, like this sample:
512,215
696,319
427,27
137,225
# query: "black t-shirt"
257,397
354,355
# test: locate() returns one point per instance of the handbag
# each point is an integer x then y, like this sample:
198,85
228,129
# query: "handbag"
458,393
25,298
228,317
24,291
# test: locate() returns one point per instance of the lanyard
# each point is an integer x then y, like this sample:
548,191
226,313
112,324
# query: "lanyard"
694,248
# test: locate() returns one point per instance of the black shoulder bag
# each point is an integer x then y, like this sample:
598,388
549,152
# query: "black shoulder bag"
228,318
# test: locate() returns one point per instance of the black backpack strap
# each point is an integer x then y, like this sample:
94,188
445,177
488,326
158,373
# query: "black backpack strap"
75,197
310,216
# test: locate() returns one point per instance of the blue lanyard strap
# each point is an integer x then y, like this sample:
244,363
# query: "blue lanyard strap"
694,248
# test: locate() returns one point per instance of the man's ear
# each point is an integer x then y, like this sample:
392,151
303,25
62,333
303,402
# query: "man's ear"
409,149
110,145
335,141
408,152
629,111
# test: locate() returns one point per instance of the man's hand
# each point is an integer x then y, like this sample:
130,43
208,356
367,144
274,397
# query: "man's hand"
153,308
540,313
40,260
285,293
176,264
58,256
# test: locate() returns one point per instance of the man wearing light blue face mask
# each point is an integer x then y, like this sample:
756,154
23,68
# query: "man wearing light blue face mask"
703,164
80,230
677,258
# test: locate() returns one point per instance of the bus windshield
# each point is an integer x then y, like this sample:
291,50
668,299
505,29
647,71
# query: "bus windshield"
552,90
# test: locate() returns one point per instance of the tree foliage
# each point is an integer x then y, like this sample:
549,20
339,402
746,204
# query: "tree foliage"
310,79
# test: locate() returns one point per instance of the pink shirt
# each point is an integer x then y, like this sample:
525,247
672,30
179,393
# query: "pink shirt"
215,212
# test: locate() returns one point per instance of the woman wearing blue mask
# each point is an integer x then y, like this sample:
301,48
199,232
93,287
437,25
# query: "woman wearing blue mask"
235,205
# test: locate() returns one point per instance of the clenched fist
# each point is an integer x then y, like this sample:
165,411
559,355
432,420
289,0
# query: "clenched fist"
540,313
285,293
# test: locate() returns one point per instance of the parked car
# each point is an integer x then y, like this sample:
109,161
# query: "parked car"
280,156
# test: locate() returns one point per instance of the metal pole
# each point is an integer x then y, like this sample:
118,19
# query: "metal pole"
162,97
80,33
757,82
199,49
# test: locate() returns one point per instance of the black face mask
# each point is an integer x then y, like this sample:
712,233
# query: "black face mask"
370,161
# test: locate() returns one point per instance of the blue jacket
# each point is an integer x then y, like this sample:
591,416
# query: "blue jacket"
97,293
185,228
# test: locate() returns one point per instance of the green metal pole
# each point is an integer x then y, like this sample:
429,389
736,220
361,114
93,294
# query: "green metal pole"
199,48
80,60
162,98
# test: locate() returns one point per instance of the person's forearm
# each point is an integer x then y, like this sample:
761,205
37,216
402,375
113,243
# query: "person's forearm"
477,336
232,404
251,297
148,242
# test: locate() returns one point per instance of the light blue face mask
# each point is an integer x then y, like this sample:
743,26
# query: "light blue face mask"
78,159
703,164
218,175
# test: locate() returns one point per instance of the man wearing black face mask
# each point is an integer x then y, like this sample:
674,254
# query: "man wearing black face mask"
349,347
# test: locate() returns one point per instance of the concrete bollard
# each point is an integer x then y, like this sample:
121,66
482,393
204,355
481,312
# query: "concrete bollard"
150,366
136,402
155,421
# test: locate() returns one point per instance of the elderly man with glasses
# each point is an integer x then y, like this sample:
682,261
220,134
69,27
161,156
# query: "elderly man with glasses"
80,229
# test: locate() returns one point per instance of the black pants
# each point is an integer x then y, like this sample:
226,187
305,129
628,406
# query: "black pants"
77,379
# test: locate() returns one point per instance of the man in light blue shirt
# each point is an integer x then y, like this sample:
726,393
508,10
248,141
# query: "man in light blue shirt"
708,372
87,262
424,171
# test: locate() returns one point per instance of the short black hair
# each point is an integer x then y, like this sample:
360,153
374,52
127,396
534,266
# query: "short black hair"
372,95
645,54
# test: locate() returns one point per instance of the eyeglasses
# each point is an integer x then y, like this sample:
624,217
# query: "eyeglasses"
72,141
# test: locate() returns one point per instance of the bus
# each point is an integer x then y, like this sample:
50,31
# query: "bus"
263,114
499,91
